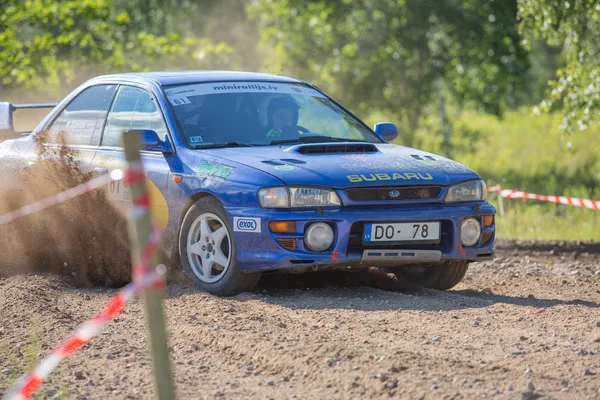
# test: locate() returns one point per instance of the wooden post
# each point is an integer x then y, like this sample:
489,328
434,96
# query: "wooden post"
500,204
140,228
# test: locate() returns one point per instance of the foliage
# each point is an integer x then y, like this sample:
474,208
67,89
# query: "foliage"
43,42
574,25
398,55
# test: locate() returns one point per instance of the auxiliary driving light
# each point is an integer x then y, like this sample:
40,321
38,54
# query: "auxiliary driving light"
318,236
470,231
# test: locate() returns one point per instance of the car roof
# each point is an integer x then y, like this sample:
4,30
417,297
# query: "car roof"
167,78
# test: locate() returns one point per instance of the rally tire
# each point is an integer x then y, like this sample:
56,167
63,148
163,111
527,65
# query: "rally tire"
437,276
202,227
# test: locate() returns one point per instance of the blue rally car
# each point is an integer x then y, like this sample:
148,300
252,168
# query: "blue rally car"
254,172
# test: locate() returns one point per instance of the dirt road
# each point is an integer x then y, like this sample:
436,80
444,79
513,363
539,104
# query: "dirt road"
526,325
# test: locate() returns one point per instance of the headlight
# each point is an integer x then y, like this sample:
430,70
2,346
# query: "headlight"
467,191
312,197
275,197
284,197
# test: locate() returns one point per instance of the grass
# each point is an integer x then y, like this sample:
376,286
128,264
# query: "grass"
21,365
535,220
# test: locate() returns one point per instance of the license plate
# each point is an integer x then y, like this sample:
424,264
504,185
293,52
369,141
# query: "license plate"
402,232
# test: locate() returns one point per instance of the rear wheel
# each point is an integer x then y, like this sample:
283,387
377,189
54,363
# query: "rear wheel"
208,253
434,276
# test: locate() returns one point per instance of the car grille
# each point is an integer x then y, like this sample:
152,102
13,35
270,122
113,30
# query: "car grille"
392,193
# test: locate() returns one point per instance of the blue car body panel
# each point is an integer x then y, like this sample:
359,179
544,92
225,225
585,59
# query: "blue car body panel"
247,169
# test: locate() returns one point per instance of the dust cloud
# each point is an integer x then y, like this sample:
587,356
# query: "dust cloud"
84,238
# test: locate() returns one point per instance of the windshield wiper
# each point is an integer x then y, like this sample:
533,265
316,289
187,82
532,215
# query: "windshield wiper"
221,145
314,139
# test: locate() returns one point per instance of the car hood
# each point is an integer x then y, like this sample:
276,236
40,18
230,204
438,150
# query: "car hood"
344,165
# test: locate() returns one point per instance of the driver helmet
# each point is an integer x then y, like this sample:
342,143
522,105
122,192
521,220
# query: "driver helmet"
276,111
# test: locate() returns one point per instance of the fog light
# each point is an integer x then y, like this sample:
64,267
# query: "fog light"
470,231
318,236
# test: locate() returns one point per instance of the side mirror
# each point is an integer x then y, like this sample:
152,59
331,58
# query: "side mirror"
388,131
151,141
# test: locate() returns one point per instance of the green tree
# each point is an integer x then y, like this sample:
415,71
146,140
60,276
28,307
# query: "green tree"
46,42
399,55
575,26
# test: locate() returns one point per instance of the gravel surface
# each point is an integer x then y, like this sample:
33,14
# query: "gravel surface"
523,326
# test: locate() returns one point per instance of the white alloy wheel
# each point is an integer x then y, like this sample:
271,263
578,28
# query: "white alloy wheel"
209,247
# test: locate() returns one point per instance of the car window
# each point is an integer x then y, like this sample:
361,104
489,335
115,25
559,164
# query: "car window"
259,113
82,120
133,108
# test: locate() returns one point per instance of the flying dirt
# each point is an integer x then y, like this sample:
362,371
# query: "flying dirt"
85,237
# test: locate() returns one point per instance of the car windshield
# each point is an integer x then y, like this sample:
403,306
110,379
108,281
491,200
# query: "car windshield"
260,113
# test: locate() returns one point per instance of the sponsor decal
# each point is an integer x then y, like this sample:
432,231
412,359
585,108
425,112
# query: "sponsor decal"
196,139
181,96
284,167
243,224
214,170
389,177
245,87
174,92
178,101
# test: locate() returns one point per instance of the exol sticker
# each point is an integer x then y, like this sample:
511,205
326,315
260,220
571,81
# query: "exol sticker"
242,224
388,177
196,139
214,170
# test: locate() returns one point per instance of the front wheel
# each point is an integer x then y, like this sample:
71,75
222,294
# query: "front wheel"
207,250
434,276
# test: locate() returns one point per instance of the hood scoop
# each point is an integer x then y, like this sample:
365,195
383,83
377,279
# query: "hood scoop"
293,161
422,158
272,162
328,148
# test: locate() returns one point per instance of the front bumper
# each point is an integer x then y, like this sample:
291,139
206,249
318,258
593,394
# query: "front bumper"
259,249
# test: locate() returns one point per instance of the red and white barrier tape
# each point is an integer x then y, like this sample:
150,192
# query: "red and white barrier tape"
572,201
146,277
48,202
143,277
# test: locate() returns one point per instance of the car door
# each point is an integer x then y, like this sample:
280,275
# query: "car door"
135,108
